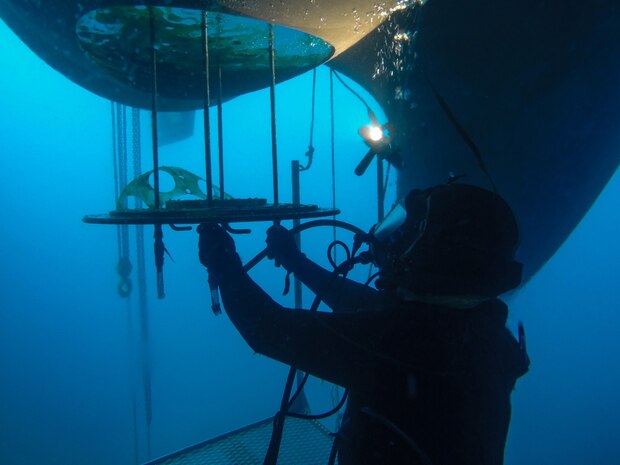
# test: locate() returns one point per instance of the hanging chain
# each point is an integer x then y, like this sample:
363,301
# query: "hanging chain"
119,158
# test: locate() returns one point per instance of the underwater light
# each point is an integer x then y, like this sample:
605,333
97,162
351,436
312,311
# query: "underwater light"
378,138
375,133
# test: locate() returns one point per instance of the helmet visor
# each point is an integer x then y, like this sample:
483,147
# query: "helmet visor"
392,221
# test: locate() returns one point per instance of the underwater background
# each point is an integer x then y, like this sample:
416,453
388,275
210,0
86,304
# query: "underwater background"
71,387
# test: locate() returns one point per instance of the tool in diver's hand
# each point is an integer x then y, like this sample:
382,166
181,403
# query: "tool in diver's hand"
216,250
215,294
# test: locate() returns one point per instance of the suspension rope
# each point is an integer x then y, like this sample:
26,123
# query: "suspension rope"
119,156
124,264
136,147
122,145
158,246
272,99
310,151
143,313
350,89
154,110
333,144
114,149
220,131
207,105
115,166
313,106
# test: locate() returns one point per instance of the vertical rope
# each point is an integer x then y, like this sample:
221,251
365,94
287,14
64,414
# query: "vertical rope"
154,110
272,95
143,313
159,249
122,146
310,143
136,147
144,329
333,146
296,195
158,234
114,149
119,136
124,262
220,130
115,164
207,104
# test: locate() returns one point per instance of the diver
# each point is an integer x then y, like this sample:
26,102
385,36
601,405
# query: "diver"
426,357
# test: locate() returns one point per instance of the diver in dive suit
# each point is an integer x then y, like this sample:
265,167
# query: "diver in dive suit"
427,359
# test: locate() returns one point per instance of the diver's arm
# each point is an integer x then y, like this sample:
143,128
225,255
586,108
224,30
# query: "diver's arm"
342,295
349,349
328,345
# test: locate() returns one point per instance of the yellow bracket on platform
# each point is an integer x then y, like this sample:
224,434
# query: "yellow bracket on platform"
185,184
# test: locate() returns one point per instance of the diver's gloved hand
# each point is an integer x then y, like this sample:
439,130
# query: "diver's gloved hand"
216,248
281,247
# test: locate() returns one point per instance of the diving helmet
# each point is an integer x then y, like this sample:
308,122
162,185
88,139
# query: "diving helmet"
452,239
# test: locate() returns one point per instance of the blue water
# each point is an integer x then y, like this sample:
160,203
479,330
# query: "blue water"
70,374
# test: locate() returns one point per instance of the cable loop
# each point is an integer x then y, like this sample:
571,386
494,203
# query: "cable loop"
331,248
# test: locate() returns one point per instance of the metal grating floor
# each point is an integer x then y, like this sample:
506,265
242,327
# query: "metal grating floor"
304,442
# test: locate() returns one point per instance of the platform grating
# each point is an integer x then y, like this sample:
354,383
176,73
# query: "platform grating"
304,442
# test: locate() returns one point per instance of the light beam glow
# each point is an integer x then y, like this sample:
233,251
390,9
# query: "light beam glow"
375,133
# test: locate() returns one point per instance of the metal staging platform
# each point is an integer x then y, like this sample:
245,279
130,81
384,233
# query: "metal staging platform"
305,442
229,214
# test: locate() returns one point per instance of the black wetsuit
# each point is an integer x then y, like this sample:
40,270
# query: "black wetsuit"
428,384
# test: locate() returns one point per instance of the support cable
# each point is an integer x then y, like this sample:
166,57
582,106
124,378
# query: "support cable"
310,151
145,355
159,248
154,111
136,148
207,105
124,264
272,98
136,140
114,149
115,164
350,89
296,195
121,122
333,144
299,403
220,130
119,159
